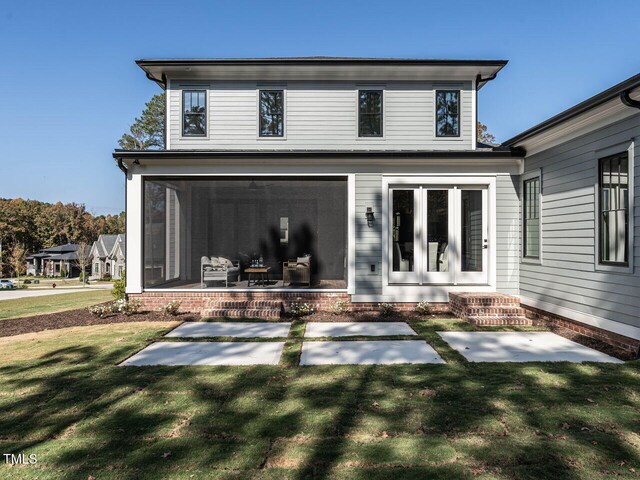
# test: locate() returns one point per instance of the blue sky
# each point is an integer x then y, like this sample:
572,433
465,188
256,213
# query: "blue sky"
69,86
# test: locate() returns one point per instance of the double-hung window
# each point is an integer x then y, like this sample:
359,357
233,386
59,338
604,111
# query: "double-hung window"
271,112
194,113
613,220
370,113
531,220
447,113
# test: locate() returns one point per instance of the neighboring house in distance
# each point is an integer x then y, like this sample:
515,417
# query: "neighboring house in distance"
116,257
102,256
322,179
53,261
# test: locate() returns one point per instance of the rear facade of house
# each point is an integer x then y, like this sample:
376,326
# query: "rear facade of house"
358,180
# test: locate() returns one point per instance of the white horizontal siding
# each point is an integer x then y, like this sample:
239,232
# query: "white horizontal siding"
321,116
569,276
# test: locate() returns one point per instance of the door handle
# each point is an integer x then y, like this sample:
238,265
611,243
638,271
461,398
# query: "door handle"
485,243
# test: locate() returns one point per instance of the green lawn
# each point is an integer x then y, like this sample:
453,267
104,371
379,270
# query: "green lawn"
25,307
63,398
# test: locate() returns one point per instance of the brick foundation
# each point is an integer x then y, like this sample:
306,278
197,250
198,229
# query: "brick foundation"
198,302
624,347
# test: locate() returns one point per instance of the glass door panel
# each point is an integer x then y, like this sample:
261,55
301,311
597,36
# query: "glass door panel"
473,236
438,218
404,229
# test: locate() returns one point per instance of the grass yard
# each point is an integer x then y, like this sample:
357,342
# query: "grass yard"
25,307
63,398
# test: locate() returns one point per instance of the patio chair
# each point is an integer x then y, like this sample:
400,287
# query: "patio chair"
297,270
218,269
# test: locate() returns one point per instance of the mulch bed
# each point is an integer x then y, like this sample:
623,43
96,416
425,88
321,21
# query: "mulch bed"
79,318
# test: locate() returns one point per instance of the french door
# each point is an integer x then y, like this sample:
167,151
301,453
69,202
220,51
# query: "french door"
438,234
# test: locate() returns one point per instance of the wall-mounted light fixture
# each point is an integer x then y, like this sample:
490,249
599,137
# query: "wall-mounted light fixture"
370,217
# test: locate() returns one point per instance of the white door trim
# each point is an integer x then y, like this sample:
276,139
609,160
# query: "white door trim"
415,180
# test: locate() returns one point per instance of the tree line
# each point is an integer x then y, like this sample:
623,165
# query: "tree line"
27,226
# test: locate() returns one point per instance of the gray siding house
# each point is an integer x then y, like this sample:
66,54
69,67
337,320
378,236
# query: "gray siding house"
583,164
322,179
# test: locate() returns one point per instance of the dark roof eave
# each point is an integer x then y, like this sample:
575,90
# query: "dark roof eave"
582,107
151,62
499,152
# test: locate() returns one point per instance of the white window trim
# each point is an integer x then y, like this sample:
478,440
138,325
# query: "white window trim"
285,120
207,111
383,89
523,178
629,146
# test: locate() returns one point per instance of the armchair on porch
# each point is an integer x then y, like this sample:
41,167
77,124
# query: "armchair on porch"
218,269
297,271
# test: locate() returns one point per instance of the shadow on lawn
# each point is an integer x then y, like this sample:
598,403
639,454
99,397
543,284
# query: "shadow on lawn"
516,420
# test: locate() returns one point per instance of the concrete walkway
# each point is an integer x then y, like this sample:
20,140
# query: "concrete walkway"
374,352
208,353
349,329
231,329
17,294
521,347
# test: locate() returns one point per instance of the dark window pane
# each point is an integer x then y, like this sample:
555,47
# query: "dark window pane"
403,234
194,113
271,113
438,230
447,113
531,210
370,113
614,209
471,230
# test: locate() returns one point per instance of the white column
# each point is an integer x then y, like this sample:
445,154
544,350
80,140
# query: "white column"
135,207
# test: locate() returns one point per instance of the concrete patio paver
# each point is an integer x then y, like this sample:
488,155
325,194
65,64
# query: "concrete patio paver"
208,353
368,352
231,329
366,329
521,347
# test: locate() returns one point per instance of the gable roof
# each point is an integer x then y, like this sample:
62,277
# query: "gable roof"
103,245
118,245
607,95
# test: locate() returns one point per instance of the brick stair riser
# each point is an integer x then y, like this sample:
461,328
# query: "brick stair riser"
236,304
494,312
266,314
498,321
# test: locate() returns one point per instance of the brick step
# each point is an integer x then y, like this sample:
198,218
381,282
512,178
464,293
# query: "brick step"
253,304
496,321
483,299
494,311
262,313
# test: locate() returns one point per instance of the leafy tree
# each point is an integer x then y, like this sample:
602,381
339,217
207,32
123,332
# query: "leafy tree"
17,259
83,259
147,131
484,136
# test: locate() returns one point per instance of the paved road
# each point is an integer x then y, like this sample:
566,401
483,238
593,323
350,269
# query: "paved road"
15,294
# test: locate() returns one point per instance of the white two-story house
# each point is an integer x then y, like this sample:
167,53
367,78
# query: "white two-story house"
316,179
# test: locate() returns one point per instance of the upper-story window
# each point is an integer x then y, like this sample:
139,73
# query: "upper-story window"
271,113
370,113
614,210
194,113
531,210
447,113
